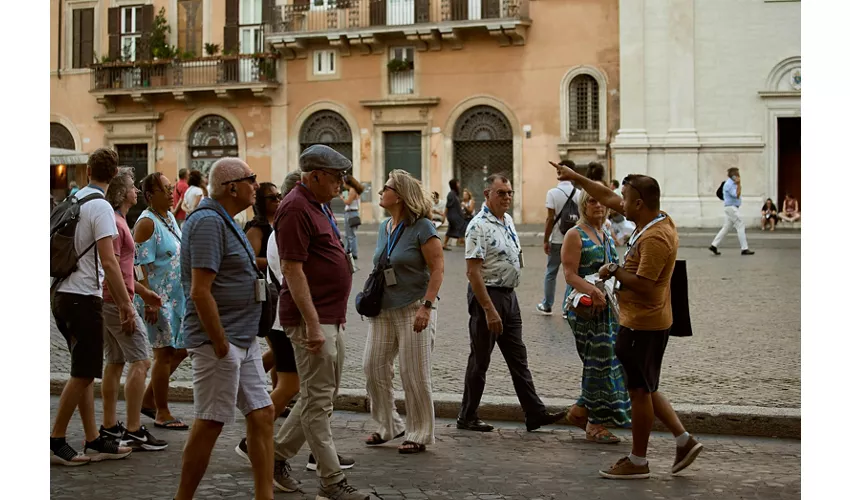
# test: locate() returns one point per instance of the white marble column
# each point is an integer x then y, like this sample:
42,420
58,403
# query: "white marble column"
632,79
680,67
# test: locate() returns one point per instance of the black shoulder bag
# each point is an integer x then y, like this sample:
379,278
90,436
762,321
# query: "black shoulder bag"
269,306
368,302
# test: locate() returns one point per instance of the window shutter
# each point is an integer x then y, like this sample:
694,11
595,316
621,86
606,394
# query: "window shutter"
77,40
490,9
86,38
378,13
460,10
231,25
268,11
422,10
113,28
143,53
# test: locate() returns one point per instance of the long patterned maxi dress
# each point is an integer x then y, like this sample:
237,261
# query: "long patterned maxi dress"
603,387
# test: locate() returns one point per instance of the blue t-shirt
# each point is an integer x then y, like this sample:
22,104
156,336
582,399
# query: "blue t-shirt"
209,244
730,194
411,272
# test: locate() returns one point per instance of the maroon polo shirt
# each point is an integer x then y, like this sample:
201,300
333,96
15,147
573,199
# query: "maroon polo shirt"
304,233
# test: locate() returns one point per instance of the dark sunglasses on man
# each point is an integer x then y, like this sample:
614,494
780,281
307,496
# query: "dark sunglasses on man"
251,179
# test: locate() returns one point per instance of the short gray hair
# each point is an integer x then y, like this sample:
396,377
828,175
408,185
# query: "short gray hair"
120,186
291,180
495,177
224,170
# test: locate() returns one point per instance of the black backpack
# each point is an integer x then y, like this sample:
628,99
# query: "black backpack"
368,302
63,226
719,192
568,216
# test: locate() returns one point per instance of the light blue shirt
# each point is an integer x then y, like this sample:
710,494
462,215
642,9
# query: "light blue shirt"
730,194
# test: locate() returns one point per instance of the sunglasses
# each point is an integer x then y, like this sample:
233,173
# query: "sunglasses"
504,194
251,178
278,196
385,188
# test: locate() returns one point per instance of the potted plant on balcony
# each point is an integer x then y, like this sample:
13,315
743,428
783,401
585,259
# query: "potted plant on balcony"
399,65
211,49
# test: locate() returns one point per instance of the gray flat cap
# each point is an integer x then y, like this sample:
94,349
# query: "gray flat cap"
319,156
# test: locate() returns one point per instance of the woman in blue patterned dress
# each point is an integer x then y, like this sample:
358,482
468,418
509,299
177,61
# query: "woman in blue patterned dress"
157,238
604,398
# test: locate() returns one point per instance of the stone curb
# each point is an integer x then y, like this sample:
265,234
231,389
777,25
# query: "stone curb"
699,419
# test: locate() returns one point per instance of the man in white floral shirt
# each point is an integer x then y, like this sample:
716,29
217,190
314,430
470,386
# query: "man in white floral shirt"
493,263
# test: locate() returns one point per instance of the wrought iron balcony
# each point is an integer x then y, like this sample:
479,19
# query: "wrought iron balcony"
181,77
366,22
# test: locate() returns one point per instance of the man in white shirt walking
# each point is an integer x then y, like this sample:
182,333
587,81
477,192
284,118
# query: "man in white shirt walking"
553,238
732,205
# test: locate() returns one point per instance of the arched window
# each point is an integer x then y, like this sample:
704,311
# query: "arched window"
483,145
60,137
584,109
328,128
211,138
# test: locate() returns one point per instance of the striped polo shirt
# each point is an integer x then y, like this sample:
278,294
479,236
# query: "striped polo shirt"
208,243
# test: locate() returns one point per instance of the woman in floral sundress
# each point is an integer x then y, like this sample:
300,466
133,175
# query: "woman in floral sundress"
157,238
604,398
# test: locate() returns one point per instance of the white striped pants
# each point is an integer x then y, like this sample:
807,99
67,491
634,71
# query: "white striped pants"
391,333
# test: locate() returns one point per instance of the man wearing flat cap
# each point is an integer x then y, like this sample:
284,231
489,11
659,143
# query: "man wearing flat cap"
313,301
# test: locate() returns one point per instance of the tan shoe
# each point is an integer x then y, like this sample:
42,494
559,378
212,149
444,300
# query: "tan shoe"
625,469
686,455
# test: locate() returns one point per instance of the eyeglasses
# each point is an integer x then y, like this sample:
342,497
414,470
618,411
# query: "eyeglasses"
504,194
385,188
251,178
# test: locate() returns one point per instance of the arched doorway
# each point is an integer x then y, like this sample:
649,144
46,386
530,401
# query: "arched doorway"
211,138
328,128
483,145
60,137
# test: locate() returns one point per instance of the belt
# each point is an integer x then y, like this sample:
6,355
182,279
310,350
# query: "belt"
353,210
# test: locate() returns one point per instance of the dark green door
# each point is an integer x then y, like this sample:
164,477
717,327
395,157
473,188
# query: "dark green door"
403,150
136,156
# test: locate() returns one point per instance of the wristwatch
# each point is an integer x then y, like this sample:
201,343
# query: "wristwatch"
427,304
612,268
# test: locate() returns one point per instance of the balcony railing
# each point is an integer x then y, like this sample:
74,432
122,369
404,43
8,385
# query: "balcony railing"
401,82
201,72
342,15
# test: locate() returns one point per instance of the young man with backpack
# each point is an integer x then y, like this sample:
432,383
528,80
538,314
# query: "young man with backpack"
562,207
81,253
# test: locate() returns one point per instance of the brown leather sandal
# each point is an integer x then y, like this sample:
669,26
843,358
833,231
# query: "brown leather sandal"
580,422
601,435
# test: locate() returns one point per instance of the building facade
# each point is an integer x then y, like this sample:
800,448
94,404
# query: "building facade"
441,88
708,85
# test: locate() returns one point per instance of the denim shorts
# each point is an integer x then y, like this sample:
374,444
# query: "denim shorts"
234,381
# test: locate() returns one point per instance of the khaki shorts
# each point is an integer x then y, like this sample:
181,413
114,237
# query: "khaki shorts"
222,385
119,347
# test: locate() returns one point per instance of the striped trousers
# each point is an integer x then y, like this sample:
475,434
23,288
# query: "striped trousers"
391,334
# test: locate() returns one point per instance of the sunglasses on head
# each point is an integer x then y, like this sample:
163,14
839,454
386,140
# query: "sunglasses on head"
251,178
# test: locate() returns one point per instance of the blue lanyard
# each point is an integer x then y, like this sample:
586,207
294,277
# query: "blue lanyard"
95,187
603,242
392,241
326,210
503,226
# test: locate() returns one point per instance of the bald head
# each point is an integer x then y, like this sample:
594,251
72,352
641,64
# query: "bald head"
225,170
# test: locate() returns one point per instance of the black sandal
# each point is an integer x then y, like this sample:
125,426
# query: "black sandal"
149,412
375,439
409,448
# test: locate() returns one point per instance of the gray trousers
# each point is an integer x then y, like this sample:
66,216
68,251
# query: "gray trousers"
310,419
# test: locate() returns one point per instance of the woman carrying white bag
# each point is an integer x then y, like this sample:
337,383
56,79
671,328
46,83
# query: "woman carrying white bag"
604,398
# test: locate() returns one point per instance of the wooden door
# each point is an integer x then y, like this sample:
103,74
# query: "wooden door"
789,164
403,150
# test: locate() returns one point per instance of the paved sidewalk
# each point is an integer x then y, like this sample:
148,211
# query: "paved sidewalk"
745,350
509,464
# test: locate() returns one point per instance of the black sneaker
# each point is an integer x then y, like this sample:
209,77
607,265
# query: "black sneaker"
105,449
143,440
714,250
747,252
344,462
61,453
115,432
242,449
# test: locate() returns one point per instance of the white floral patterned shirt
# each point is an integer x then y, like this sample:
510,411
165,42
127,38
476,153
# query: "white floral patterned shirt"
497,244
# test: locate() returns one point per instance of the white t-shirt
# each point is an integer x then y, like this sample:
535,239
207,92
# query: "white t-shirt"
97,221
355,204
555,199
273,266
193,197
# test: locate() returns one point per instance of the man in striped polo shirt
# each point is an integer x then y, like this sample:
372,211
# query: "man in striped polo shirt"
223,310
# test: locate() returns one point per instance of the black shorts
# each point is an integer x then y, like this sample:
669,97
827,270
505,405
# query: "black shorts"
284,355
641,352
80,320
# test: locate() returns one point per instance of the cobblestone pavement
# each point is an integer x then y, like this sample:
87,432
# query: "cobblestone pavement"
509,463
745,349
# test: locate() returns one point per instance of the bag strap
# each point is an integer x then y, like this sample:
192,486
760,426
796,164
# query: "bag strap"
566,203
238,237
